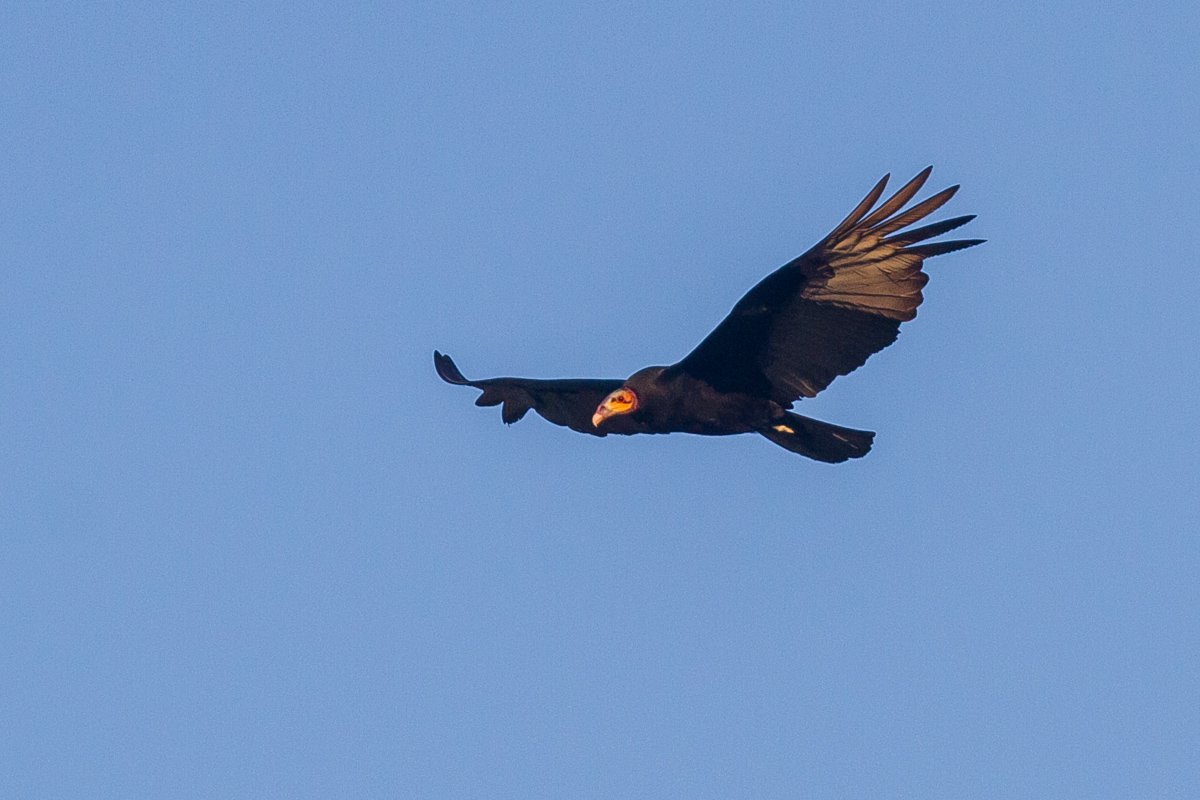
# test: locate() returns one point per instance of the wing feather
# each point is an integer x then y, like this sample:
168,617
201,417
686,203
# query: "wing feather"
929,231
855,216
897,201
918,212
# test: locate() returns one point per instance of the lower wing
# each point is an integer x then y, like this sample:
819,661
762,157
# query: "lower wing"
569,403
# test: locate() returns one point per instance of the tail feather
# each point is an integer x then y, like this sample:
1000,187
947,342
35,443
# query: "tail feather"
818,440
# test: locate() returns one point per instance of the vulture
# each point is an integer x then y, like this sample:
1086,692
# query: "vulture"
819,316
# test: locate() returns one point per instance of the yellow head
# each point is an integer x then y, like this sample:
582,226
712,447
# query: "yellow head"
622,401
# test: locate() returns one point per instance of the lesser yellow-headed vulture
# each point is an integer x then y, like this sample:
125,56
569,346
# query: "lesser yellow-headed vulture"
819,316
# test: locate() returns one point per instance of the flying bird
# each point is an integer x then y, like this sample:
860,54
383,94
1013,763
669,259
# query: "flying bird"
819,316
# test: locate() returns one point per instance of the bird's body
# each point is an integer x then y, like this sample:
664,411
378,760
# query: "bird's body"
817,317
675,402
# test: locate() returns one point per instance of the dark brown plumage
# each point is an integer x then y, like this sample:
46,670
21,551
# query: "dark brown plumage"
819,316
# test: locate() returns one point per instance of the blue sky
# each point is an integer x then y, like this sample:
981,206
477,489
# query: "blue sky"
254,548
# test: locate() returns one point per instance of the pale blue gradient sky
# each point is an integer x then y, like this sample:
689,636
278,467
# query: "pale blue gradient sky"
252,547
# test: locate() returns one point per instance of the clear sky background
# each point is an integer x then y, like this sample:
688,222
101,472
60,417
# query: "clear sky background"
252,547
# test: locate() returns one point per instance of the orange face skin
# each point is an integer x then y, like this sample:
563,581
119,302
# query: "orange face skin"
622,401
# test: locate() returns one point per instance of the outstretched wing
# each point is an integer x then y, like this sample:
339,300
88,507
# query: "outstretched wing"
567,402
823,314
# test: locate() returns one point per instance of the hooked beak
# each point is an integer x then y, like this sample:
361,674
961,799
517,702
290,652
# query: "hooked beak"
622,401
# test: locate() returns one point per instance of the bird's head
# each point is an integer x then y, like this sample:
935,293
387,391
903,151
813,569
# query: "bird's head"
622,401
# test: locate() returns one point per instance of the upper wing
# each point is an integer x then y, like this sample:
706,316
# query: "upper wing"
566,402
823,314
